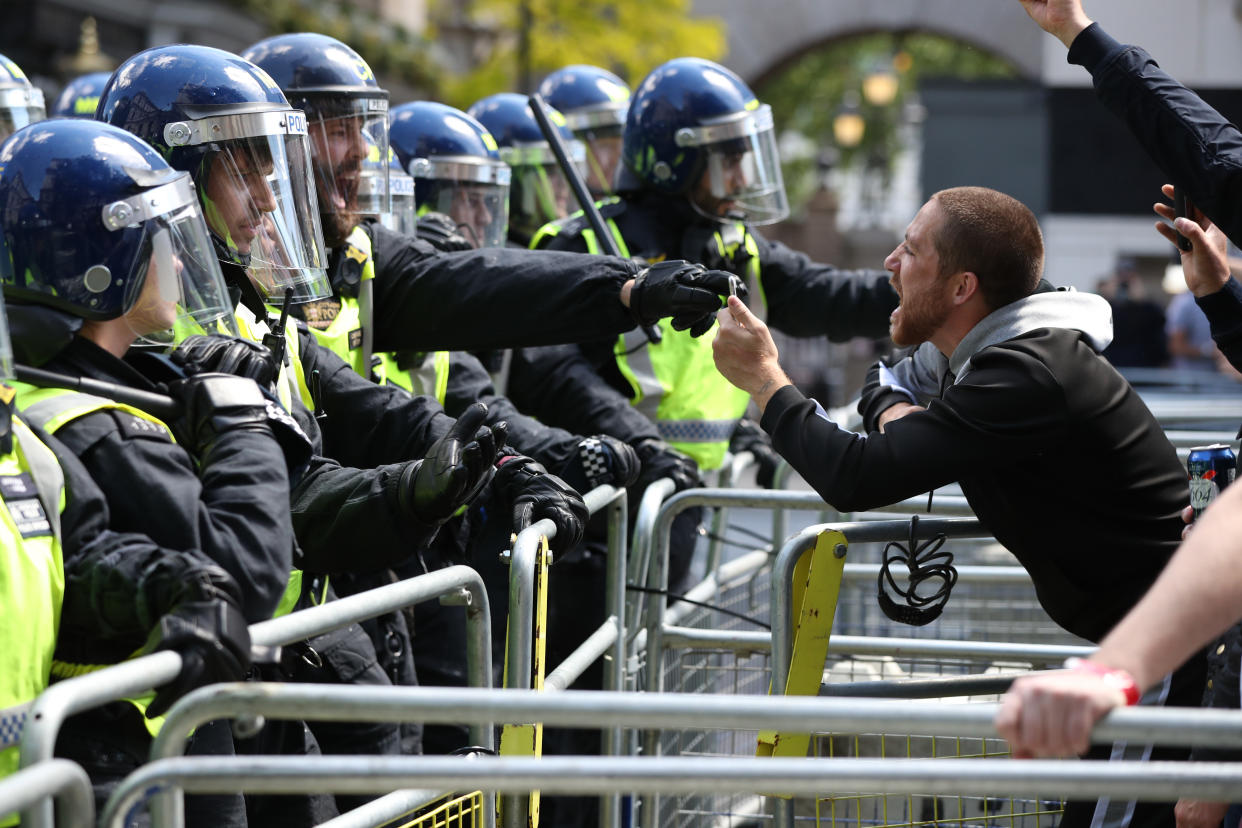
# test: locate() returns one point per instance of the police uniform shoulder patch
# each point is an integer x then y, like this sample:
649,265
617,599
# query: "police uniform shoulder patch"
22,501
133,427
321,313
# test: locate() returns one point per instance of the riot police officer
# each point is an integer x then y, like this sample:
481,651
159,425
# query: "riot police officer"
594,102
699,171
21,102
80,96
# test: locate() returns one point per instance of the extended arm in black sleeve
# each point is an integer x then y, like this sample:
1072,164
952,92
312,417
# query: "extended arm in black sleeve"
492,298
806,298
965,431
1224,312
1193,144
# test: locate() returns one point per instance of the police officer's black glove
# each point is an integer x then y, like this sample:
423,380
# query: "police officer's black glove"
440,231
661,460
689,293
213,404
456,468
749,436
537,494
218,353
601,461
214,642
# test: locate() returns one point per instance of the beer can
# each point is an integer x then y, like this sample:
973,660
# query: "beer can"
1211,469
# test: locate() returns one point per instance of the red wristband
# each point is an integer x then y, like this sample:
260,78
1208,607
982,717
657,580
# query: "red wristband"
1118,679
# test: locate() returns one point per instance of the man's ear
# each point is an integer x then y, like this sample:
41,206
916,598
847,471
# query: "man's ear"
965,288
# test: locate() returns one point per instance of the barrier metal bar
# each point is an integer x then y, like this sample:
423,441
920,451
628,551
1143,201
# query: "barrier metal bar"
640,548
58,778
1193,408
857,532
1185,438
383,810
933,688
75,695
596,709
1211,781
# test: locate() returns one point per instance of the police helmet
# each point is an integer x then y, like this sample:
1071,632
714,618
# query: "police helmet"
386,192
594,102
345,109
80,96
21,102
225,121
456,167
695,129
539,192
96,223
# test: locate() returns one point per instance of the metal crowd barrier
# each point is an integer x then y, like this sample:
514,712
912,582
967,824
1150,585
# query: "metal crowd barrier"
603,709
607,640
129,678
61,779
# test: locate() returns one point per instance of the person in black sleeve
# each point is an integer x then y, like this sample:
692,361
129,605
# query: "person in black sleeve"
1007,395
1193,144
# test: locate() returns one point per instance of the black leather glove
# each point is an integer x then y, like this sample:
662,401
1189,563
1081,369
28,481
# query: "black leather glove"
660,460
456,468
213,404
601,461
440,231
689,293
749,436
537,494
223,354
214,642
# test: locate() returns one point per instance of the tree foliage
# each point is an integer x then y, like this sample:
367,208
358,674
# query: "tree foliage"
628,37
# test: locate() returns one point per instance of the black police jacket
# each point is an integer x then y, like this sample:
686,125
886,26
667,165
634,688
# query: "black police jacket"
117,584
1193,144
232,505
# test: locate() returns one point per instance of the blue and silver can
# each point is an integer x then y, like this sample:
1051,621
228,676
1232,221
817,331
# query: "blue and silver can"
1211,469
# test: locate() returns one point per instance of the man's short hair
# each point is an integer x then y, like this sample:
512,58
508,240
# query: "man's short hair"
994,236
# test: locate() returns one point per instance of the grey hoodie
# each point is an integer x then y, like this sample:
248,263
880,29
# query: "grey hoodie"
921,375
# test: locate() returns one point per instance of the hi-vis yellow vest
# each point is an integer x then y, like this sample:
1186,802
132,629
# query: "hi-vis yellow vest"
32,581
675,383
343,336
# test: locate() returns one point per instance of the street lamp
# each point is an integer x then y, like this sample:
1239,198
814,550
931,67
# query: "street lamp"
880,85
848,125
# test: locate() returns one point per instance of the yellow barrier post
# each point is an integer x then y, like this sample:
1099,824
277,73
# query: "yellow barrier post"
527,739
816,587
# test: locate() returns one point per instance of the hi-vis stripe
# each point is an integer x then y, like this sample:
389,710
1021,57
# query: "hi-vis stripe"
12,721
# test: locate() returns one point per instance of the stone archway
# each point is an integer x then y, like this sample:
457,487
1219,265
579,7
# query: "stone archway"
764,37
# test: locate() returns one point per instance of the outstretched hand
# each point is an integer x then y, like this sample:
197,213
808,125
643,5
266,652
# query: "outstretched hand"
1063,19
1206,264
745,353
1053,714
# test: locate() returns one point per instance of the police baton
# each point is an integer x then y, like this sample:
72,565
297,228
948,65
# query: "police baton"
605,239
158,405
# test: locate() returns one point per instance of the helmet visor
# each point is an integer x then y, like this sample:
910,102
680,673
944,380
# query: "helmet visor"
19,108
260,204
6,346
603,154
741,178
345,135
473,192
540,192
177,286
